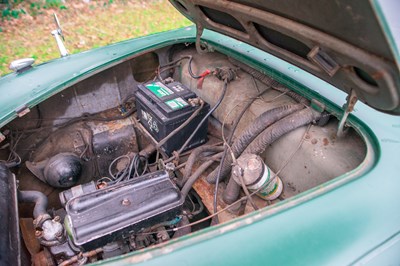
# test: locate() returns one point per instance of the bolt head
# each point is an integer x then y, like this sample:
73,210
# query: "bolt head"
38,233
126,202
254,164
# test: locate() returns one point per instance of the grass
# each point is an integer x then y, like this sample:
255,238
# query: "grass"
85,26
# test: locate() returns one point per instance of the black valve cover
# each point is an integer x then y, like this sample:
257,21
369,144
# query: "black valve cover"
108,214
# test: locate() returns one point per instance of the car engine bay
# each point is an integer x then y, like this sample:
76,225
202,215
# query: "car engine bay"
162,145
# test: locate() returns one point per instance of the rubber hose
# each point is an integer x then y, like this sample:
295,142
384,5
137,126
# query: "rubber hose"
148,150
36,197
250,133
231,192
270,82
192,179
194,156
231,134
267,137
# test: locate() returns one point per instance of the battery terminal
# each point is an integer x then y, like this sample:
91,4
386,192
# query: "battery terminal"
195,101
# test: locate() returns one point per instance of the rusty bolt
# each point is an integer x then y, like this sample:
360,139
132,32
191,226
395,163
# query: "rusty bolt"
126,202
162,236
38,233
102,185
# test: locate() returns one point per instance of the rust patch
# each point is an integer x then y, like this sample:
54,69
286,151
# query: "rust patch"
206,192
378,75
114,126
28,235
111,126
42,258
325,141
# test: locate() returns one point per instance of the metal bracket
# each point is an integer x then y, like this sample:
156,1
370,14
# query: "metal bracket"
199,32
323,60
22,110
58,35
349,107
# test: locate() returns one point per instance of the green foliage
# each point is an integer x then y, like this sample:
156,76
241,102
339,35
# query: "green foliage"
3,60
12,8
86,26
53,4
8,13
34,9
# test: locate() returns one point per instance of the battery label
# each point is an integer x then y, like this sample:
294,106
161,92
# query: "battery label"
178,88
152,123
159,89
177,103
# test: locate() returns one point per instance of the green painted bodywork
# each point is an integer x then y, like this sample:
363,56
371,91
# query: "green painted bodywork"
353,218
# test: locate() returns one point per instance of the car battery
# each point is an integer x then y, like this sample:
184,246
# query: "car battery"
161,108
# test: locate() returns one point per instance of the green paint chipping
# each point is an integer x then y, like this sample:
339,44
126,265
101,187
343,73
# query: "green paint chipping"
177,103
159,90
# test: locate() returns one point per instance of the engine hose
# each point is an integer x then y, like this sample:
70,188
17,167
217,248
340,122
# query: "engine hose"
229,142
270,82
194,156
192,179
148,150
231,192
267,137
250,133
36,197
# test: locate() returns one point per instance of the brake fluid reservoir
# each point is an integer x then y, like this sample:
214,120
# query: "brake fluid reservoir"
257,176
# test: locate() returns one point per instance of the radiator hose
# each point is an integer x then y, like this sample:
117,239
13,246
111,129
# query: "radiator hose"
250,133
36,197
267,137
194,157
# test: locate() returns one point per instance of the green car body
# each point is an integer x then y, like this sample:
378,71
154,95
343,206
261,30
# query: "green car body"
352,219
